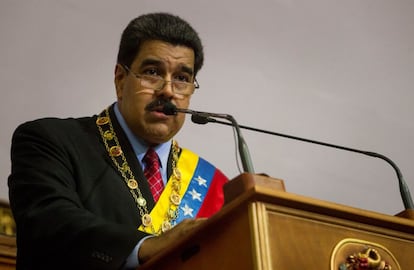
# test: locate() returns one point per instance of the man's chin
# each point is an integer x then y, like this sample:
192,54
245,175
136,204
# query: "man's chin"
156,137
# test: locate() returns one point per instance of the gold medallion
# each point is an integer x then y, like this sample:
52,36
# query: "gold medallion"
102,120
175,199
132,183
141,201
115,151
166,225
146,220
109,135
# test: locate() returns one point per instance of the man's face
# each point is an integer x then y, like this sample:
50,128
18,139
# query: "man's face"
161,59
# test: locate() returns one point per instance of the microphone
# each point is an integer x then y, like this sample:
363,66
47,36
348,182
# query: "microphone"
404,190
171,109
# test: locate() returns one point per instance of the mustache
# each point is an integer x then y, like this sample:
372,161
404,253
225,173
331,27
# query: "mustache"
157,104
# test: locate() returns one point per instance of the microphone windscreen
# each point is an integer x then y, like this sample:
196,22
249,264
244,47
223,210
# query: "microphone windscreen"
199,119
169,109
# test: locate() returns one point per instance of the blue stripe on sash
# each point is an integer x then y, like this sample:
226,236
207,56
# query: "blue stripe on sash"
196,191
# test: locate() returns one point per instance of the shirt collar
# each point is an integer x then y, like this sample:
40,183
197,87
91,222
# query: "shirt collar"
139,147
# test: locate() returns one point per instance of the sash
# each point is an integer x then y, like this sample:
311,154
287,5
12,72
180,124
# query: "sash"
201,188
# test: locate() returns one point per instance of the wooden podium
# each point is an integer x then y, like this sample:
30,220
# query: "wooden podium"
7,252
7,238
263,227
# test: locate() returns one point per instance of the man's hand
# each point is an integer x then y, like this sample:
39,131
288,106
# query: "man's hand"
154,245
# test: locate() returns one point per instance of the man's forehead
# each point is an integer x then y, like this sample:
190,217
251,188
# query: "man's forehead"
158,49
153,61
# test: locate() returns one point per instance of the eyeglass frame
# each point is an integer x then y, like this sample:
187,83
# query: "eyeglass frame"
195,83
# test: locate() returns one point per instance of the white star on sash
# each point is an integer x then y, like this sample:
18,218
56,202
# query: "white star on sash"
201,181
187,210
195,195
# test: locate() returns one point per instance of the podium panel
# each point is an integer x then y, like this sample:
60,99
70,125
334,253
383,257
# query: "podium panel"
261,227
304,240
7,252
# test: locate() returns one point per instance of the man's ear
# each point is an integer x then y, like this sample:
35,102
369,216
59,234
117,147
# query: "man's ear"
119,80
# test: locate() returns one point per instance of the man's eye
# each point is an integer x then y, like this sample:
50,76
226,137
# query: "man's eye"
182,78
151,71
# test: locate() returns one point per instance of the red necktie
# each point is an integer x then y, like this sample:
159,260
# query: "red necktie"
152,173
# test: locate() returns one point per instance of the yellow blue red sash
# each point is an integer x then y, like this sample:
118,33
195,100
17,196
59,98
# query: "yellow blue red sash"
201,189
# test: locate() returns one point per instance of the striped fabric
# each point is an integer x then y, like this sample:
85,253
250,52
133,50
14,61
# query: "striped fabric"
201,190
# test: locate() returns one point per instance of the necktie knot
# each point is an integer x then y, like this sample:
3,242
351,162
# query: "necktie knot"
151,158
152,173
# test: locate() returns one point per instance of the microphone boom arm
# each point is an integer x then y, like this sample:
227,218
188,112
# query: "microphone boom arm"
404,190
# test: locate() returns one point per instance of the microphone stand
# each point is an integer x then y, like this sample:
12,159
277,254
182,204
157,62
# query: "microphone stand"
404,190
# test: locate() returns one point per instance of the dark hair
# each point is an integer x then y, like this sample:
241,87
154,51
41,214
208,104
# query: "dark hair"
159,26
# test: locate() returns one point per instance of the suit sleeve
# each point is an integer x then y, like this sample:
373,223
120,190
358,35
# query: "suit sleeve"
55,230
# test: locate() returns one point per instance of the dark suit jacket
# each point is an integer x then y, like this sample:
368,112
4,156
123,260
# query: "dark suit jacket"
72,208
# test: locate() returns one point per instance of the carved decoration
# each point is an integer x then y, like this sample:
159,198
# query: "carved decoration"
356,254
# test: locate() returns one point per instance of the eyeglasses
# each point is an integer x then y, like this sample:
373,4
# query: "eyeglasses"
156,83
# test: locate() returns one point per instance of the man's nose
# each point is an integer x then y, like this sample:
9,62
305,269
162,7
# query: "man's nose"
167,90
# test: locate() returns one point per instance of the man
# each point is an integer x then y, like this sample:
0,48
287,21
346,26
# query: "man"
105,192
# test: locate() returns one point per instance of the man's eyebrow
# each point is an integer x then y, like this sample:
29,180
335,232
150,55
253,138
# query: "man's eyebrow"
150,61
187,70
157,62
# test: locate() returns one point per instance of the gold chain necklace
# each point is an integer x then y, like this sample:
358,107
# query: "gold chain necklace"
117,156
